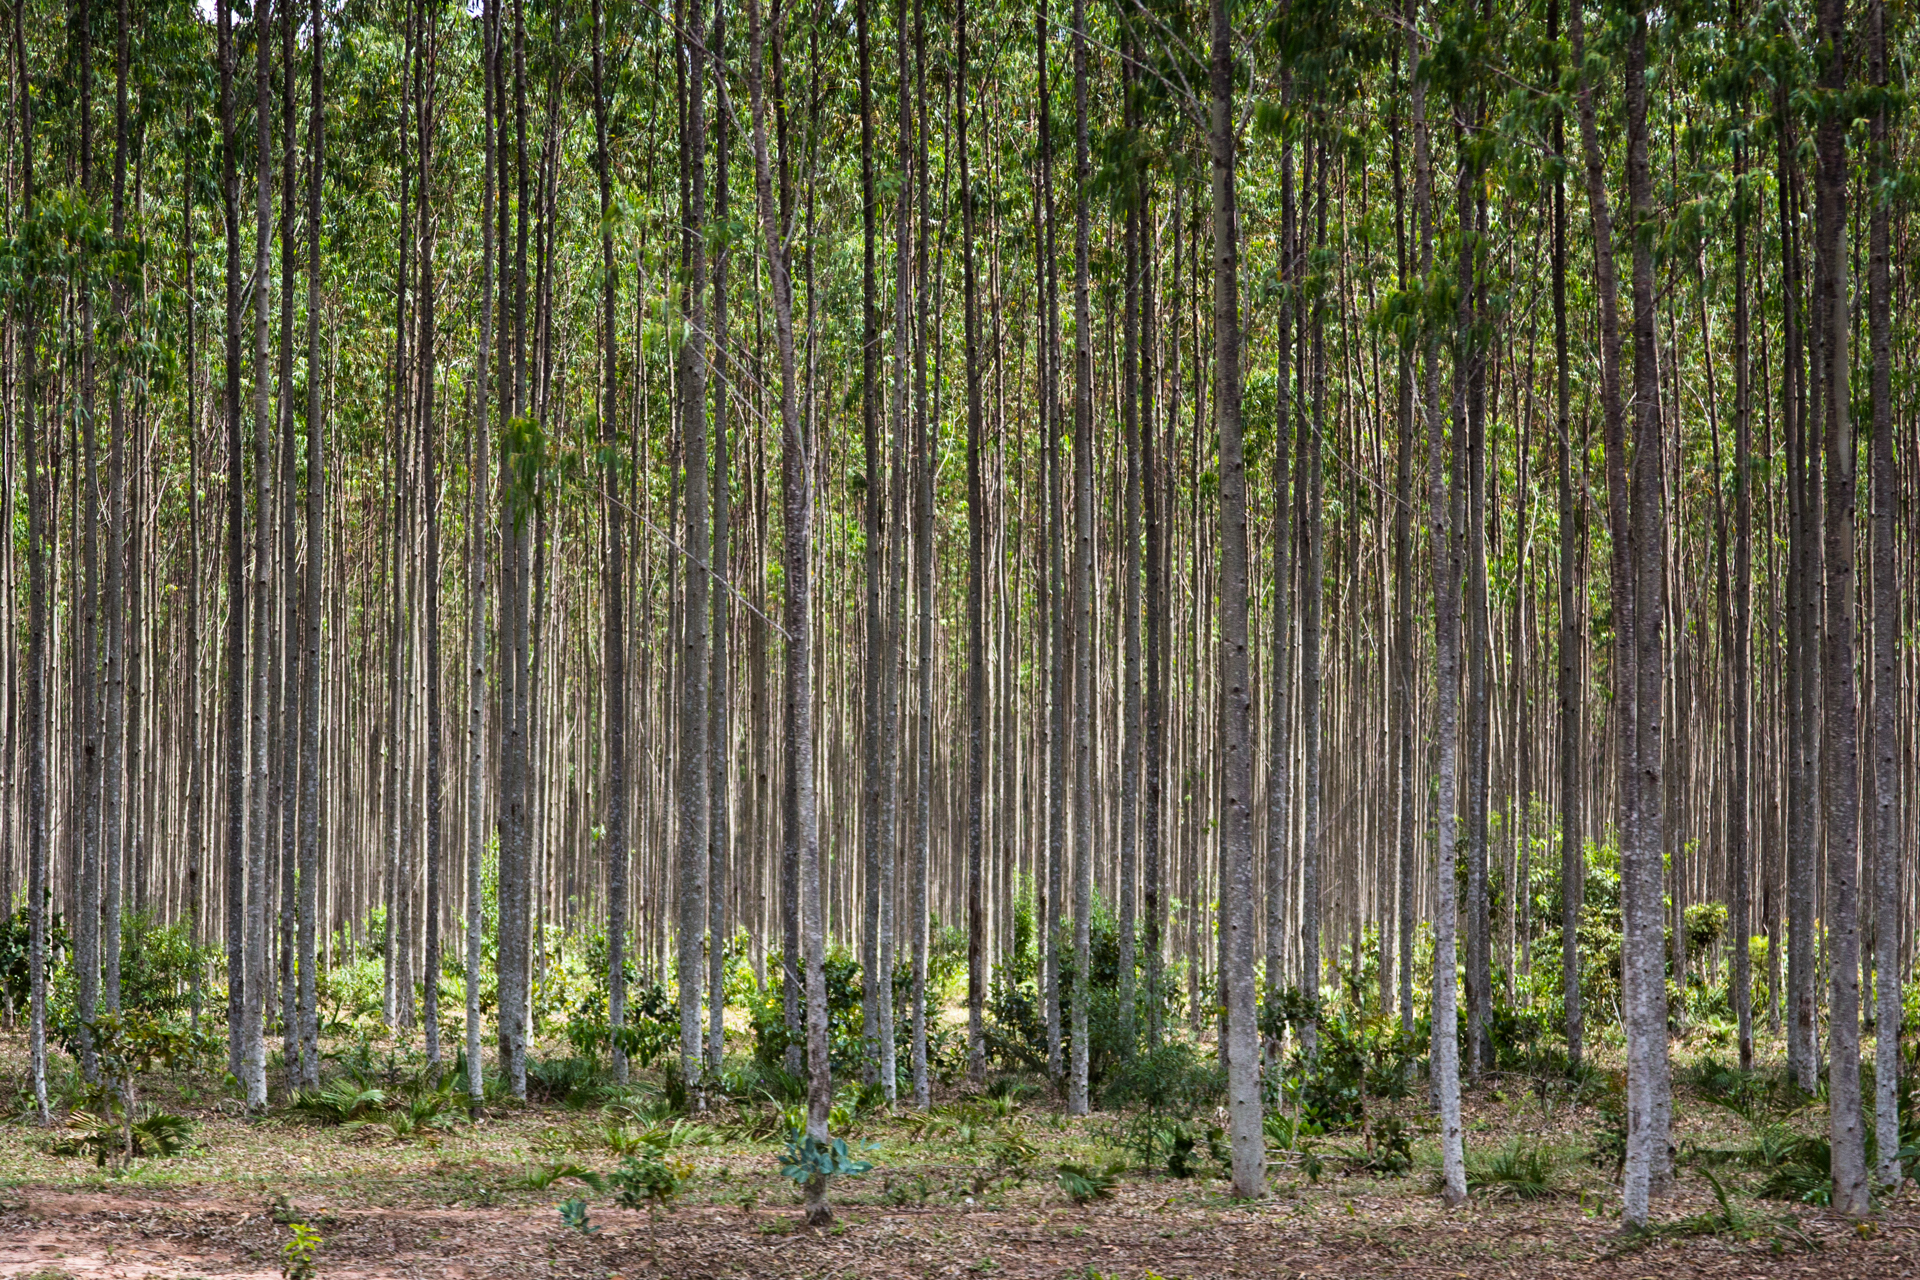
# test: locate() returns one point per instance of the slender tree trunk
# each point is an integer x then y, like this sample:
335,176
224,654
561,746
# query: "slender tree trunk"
976,602
802,819
1573,874
86,696
1130,568
1312,553
873,822
1059,694
922,834
1885,746
1154,730
436,784
253,1054
477,535
1280,772
1739,770
1445,554
1840,743
1802,658
316,512
1082,626
1236,720
1649,1098
613,529
696,613
719,731
1400,713
114,626
39,894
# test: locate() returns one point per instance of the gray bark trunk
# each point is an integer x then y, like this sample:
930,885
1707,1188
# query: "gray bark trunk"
1248,1142
1885,748
1840,744
1445,554
696,615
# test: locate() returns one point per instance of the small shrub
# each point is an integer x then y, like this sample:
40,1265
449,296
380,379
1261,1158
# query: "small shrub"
573,1215
1521,1169
298,1255
650,1181
544,1176
1084,1184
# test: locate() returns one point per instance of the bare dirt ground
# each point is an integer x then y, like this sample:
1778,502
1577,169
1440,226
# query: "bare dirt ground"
147,1236
1342,1227
461,1204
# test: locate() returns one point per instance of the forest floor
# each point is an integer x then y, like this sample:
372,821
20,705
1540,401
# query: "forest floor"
952,1198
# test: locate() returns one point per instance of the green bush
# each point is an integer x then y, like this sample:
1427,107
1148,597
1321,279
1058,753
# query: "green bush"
16,970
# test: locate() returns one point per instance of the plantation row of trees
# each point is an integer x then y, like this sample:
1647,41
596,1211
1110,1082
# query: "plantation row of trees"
1304,480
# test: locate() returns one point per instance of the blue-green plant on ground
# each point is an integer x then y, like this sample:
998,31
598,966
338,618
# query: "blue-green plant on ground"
807,1158
573,1214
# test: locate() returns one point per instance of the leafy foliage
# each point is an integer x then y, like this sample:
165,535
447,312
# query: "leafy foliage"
1519,1169
1085,1184
299,1256
808,1157
573,1215
650,1180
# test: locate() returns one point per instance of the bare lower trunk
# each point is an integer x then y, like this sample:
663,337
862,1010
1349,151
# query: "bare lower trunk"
1885,747
1445,554
1839,747
1248,1142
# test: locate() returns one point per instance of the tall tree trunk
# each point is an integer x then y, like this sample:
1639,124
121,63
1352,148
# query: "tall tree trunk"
1445,555
39,894
719,732
1802,657
1242,1051
253,1056
1312,558
1649,1096
1130,397
924,436
1573,874
316,512
1479,726
802,819
1082,626
424,97
1153,902
477,535
86,697
976,602
234,694
1840,743
114,607
1740,658
874,822
695,616
613,529
1885,747
1280,772
1059,694
1400,713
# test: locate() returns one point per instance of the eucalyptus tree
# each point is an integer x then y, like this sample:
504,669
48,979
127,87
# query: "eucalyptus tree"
802,819
1248,1139
1840,740
695,615
1884,713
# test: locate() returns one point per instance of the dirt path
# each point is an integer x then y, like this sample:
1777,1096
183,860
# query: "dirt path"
94,1236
